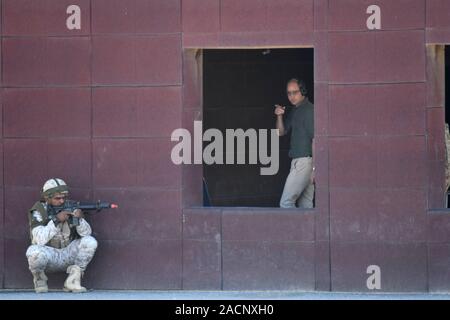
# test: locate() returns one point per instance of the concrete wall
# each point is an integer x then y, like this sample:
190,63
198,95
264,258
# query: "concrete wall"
96,106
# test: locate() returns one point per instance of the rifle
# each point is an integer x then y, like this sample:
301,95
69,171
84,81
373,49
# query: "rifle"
71,206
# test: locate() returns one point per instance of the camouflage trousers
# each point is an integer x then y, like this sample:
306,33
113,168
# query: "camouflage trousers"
44,258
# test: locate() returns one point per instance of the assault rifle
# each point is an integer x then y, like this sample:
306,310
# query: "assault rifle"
71,206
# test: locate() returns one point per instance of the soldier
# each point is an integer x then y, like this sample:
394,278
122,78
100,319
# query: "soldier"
56,244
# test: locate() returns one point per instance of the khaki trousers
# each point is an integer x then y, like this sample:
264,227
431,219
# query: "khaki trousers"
298,189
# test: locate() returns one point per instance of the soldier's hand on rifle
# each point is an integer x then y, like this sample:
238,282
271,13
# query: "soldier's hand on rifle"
78,213
63,216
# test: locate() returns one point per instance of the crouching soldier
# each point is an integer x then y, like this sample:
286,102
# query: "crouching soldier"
58,245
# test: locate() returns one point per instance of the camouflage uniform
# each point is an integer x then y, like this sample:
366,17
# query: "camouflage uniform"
56,246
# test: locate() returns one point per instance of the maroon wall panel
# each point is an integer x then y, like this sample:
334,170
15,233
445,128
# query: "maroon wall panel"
436,155
289,264
149,60
136,264
47,112
17,162
401,161
361,68
248,225
43,17
2,161
400,56
437,17
231,23
385,109
201,16
21,169
192,175
438,267
136,163
353,110
438,14
77,165
345,15
16,273
403,266
202,249
321,116
2,261
46,61
260,243
243,15
353,162
259,15
400,109
401,215
2,232
155,215
1,107
141,16
354,215
129,112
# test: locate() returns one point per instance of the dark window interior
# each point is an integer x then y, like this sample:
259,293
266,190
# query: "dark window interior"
447,84
240,89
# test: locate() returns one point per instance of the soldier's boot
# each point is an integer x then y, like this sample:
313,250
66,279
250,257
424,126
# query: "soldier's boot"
40,282
72,282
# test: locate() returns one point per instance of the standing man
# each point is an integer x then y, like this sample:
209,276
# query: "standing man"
56,244
299,186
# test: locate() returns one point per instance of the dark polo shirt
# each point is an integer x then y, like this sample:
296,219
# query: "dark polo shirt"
300,122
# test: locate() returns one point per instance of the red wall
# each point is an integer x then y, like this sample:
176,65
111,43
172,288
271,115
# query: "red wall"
96,107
